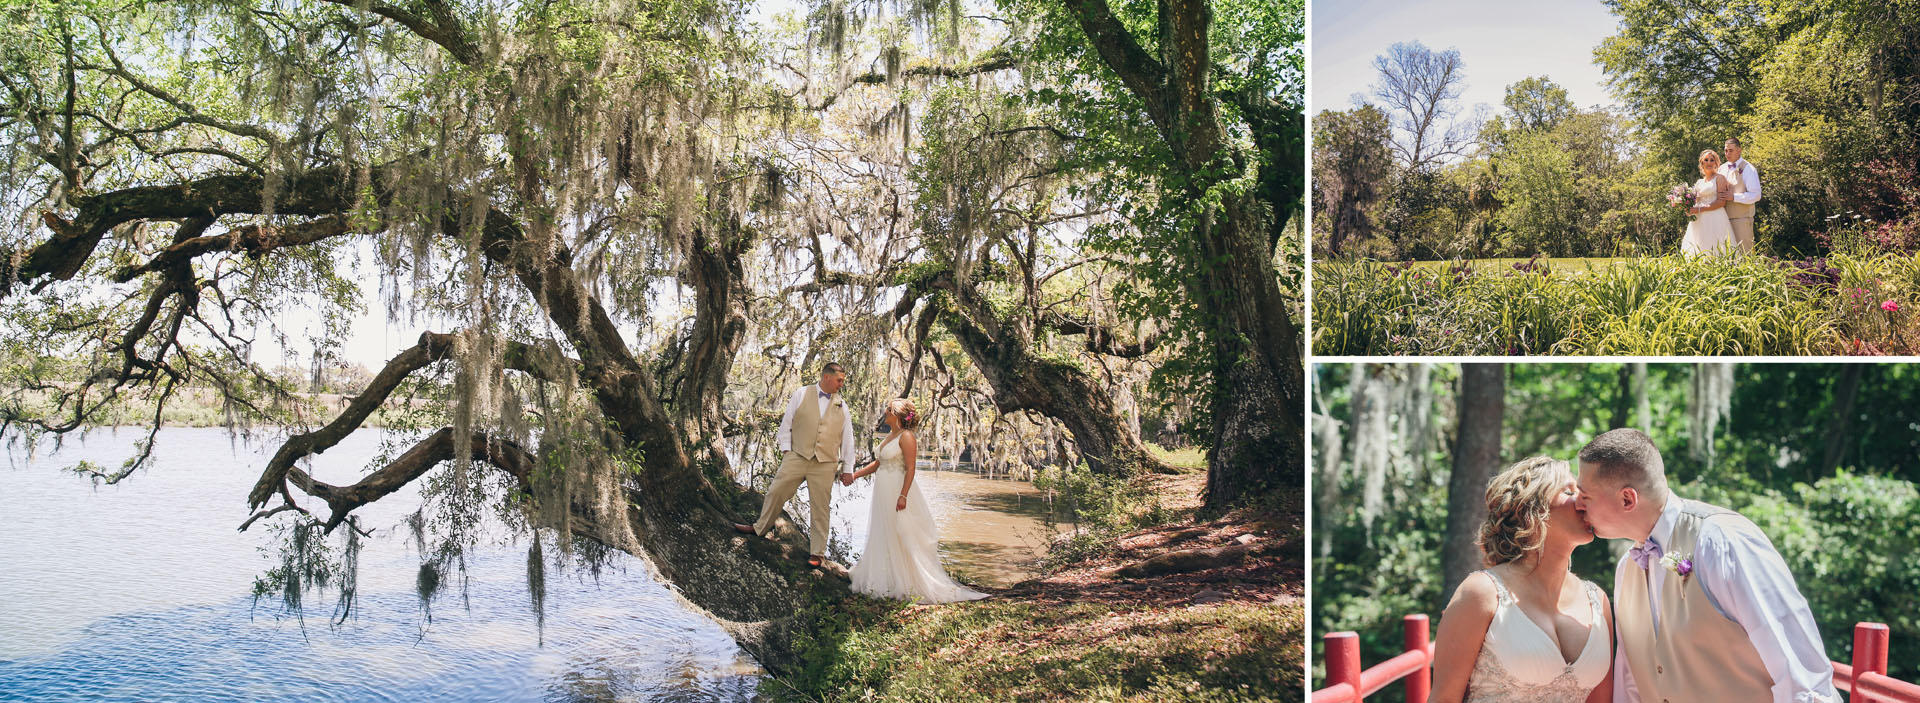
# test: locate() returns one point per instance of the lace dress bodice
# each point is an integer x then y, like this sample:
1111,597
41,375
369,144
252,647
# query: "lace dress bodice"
1521,663
889,456
1705,192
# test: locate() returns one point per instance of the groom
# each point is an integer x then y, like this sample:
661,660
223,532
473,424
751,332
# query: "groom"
1746,192
815,438
1704,607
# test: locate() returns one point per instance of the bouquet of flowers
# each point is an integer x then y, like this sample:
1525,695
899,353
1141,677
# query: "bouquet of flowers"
1680,196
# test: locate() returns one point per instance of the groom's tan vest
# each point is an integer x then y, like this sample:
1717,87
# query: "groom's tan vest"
1700,655
815,436
1735,209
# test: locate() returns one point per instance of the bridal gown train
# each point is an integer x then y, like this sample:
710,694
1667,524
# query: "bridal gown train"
902,559
1709,232
1521,663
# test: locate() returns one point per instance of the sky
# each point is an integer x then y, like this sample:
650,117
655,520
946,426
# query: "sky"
1500,42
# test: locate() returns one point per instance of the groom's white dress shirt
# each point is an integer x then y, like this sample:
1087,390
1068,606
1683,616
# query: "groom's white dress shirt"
784,438
1749,176
1745,580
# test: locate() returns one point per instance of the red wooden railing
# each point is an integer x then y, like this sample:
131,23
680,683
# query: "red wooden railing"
1865,679
1348,683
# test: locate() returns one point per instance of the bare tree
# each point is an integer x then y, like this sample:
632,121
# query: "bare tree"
1421,90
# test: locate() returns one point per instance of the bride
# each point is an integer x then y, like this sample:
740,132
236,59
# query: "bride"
1526,629
902,559
1710,231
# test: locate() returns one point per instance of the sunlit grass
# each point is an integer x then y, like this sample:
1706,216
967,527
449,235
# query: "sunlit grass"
1634,306
1001,650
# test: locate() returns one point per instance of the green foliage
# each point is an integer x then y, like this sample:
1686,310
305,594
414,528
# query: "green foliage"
1636,306
1851,541
1160,199
1350,165
1538,184
1102,508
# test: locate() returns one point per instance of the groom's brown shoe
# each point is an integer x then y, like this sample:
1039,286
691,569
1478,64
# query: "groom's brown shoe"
743,529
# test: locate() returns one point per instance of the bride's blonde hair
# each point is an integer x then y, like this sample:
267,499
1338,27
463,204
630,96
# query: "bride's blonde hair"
1704,155
903,409
1518,502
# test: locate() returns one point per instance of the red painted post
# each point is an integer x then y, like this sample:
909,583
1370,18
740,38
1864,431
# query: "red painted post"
1343,661
1870,641
1420,682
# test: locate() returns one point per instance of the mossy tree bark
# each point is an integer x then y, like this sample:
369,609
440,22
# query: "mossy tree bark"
1257,371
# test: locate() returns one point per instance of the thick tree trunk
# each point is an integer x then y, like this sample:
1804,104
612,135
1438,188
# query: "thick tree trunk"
715,269
1476,456
1258,402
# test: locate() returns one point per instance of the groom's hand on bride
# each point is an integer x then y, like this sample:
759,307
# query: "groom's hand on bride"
846,479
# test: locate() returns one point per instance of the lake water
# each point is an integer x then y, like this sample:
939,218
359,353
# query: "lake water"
140,592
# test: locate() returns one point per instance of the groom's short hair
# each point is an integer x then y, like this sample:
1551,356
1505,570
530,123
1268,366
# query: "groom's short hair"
832,367
1626,457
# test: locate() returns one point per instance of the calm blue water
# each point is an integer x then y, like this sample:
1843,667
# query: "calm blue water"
139,592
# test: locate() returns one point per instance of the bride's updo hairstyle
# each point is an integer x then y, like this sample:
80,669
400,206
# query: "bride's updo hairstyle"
903,409
1518,501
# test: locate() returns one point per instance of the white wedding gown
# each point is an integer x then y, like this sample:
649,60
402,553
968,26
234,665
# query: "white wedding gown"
1709,232
1521,663
903,546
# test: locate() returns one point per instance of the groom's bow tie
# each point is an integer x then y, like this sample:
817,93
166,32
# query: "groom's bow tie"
1646,553
825,394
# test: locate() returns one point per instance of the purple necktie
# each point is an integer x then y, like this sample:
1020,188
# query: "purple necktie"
1646,553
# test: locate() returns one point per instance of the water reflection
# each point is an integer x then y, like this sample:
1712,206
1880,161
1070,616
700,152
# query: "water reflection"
137,593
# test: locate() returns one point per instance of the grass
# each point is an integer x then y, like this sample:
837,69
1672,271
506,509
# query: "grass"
1566,264
1191,458
1082,633
1638,306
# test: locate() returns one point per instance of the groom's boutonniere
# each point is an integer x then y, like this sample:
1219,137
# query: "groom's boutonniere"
1680,564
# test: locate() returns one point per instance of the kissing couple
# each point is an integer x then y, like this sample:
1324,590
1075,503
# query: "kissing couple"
902,557
1705,608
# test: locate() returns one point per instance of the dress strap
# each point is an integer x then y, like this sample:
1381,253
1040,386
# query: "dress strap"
1500,589
1593,599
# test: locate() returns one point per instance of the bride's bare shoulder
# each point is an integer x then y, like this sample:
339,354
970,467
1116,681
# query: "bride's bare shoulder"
1476,594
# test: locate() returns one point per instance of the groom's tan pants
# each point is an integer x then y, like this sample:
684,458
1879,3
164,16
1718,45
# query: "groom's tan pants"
1743,233
818,476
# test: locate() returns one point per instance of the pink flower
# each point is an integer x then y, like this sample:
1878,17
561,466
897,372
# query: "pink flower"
1890,306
